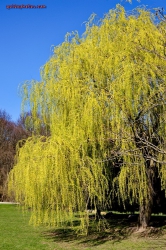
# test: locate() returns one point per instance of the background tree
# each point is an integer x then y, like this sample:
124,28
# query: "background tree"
27,123
103,96
10,134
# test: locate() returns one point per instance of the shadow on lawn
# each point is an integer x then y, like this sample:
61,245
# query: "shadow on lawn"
116,229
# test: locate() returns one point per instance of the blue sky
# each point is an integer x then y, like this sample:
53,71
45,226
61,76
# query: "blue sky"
26,37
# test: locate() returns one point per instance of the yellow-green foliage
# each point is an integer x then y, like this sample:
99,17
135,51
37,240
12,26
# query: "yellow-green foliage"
90,90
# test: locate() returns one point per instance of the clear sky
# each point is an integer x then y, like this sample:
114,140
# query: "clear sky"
26,37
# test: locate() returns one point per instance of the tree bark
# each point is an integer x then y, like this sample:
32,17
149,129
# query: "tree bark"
98,214
145,214
146,206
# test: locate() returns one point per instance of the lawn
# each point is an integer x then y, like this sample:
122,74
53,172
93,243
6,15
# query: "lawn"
119,234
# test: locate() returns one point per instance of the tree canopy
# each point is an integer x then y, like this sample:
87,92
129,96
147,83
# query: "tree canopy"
103,98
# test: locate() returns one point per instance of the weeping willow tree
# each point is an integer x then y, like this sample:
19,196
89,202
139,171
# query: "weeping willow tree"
108,85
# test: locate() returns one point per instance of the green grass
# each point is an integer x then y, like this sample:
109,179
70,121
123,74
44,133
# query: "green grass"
115,234
16,233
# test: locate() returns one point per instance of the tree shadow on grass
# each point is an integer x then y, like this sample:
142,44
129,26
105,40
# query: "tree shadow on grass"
116,228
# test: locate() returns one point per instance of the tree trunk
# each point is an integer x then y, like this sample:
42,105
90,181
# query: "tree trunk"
98,213
145,214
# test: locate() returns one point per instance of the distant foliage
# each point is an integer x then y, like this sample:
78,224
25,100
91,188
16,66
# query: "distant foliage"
10,134
28,124
107,86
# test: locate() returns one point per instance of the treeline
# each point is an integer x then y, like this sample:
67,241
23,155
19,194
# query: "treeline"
10,134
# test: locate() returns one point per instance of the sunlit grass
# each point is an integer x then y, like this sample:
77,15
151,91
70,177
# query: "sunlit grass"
16,233
114,234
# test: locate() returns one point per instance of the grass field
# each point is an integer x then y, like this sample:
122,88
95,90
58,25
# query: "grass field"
119,234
